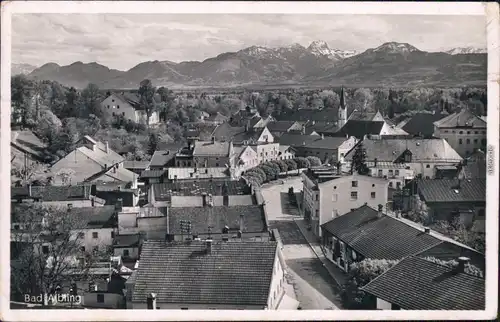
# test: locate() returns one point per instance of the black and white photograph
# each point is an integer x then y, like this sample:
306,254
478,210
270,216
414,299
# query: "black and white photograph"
249,157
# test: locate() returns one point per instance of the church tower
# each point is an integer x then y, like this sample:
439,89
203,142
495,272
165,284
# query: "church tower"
342,113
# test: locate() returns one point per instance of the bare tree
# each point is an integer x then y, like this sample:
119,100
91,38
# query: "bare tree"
29,172
46,249
65,175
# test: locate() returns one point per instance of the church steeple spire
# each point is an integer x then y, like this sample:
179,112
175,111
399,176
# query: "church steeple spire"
342,112
342,99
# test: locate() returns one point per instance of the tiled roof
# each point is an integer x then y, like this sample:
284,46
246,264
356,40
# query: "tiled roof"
326,128
284,148
311,141
197,188
418,284
359,129
96,217
28,142
363,116
376,237
116,172
133,99
217,218
53,193
135,164
302,115
447,251
236,134
280,126
126,240
462,118
153,173
423,124
198,173
209,148
446,190
162,158
421,149
218,117
476,166
234,273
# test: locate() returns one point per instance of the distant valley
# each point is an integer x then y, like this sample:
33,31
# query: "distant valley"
391,64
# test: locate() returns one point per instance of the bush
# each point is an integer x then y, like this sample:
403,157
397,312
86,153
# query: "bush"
360,274
314,161
283,165
302,163
270,172
292,165
274,165
257,173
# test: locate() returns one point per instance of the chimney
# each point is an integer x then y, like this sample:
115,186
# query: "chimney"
151,300
241,222
105,166
107,147
29,190
213,139
204,198
119,204
462,261
427,230
322,136
380,211
375,162
209,246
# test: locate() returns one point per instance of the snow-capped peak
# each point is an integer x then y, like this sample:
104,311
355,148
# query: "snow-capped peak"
395,47
466,50
321,48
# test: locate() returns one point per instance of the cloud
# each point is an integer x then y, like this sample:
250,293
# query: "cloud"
122,40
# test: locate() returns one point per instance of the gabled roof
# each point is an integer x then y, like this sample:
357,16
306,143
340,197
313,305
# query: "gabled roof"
446,190
234,273
135,164
359,128
422,150
325,128
28,142
116,172
418,284
364,116
162,158
95,217
225,131
153,173
423,124
209,148
280,126
311,141
448,251
218,117
197,188
52,193
217,218
463,118
376,237
133,99
99,154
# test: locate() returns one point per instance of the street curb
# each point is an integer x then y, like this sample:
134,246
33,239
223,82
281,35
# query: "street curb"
317,255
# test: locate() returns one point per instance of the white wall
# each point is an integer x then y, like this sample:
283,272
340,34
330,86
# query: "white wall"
277,287
111,300
383,305
113,104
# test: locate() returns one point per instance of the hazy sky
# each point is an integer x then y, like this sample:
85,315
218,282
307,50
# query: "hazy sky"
123,40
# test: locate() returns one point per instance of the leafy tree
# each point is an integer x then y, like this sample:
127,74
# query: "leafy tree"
458,231
359,160
270,172
46,250
90,101
419,212
317,102
154,140
33,171
302,162
314,161
390,112
292,165
360,274
274,165
146,94
330,99
23,111
283,165
363,99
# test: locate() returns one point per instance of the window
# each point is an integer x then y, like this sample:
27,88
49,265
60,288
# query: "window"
391,173
475,132
398,185
372,195
461,132
380,173
123,113
373,185
334,199
390,184
184,308
334,213
112,234
317,197
117,106
396,172
95,234
460,141
468,132
82,249
445,131
108,106
126,253
81,235
352,209
114,114
354,195
100,298
112,100
334,187
354,184
45,249
427,177
475,141
483,141
216,164
16,227
467,141
427,166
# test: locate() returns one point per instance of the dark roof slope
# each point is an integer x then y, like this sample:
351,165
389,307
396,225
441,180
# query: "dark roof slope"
217,218
52,193
234,273
422,123
197,188
359,129
418,284
311,141
303,115
379,238
280,126
162,158
447,251
131,240
446,190
95,217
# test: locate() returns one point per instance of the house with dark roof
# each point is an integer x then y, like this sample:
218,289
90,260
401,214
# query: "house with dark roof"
136,166
246,275
116,173
127,246
26,148
219,222
107,295
88,158
277,128
76,196
241,117
463,130
327,149
474,166
423,156
128,106
162,159
450,199
417,283
205,154
197,193
112,192
330,193
217,118
153,176
369,233
422,124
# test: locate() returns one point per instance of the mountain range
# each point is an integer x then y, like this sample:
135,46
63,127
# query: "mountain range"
392,64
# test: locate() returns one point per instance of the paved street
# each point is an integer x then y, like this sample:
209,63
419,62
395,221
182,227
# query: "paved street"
313,285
